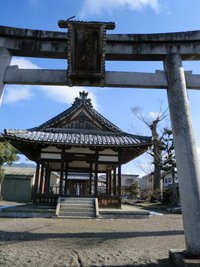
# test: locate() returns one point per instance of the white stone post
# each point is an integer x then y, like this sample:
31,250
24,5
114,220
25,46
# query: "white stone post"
5,58
186,152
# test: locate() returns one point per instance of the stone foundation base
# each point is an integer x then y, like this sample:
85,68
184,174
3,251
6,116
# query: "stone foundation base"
183,259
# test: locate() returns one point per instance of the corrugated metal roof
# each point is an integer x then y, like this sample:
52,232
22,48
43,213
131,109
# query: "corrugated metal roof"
19,171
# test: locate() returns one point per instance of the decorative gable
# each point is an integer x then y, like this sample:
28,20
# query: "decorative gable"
81,115
82,121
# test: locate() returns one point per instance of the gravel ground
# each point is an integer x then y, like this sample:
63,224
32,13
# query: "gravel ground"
107,242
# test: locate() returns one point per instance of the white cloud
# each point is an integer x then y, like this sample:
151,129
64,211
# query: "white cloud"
91,7
33,3
154,115
23,63
66,94
62,94
198,151
17,93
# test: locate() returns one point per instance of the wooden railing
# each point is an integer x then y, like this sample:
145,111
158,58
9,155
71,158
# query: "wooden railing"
52,199
106,201
46,199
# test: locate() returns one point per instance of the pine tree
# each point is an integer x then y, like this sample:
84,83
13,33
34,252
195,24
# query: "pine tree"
169,161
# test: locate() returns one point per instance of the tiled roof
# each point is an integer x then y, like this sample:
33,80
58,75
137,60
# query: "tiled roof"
57,130
78,137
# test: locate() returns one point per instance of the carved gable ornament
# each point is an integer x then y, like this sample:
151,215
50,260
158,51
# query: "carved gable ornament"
86,51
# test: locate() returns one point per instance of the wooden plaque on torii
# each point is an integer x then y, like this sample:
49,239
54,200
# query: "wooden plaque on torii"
86,51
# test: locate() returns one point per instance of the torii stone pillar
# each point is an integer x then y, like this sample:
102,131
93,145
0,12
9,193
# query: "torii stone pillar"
5,59
186,153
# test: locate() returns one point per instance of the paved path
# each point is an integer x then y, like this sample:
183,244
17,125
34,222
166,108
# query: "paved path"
114,242
123,208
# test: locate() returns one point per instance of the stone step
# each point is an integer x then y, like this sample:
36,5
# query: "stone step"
77,214
75,217
76,208
77,201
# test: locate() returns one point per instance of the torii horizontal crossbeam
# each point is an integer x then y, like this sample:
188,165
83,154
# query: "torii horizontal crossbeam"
155,80
51,44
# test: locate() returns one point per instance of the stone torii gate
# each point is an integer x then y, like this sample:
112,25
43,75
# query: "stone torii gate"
86,46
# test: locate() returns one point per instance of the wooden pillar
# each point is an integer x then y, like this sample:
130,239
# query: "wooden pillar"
41,179
36,186
47,181
66,177
119,180
90,185
61,176
114,182
107,183
96,174
96,179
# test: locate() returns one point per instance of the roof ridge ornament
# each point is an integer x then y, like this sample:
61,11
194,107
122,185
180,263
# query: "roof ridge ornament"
83,99
86,48
83,95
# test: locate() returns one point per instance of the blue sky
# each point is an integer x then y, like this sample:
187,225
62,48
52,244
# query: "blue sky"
28,106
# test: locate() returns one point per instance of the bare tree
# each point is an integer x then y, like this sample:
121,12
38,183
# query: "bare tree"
145,168
156,151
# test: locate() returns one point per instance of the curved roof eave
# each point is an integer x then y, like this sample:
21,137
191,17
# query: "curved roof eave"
90,138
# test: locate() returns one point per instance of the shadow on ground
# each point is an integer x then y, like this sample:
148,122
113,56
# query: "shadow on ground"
26,236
